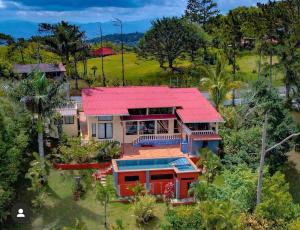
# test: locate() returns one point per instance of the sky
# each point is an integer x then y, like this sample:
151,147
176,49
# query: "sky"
86,11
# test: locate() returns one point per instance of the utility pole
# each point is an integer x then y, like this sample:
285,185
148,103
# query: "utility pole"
118,22
102,57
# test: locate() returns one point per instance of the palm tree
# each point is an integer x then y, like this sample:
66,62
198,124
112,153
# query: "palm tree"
211,163
218,82
41,97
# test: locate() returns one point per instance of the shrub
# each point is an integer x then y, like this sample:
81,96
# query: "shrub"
143,208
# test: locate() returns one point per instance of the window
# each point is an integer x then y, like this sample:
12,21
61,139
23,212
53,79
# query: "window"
162,126
162,177
105,118
94,129
131,128
137,111
161,111
188,178
105,131
198,126
68,120
147,127
131,178
205,144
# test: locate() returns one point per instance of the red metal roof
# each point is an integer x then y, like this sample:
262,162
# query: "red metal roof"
105,51
192,106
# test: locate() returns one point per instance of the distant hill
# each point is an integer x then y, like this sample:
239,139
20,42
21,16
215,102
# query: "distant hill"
130,39
26,29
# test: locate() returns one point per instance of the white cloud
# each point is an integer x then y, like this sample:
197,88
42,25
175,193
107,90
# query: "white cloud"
105,14
2,5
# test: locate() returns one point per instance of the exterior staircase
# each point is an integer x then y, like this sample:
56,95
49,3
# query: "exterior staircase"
101,174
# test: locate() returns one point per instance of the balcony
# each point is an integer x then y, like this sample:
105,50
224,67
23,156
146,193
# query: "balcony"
201,135
157,140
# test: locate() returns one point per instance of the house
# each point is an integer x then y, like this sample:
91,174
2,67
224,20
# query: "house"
150,116
52,71
105,51
160,129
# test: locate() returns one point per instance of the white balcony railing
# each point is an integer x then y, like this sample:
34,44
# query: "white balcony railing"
203,132
197,132
156,137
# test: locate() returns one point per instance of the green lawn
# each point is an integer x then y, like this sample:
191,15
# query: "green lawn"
61,210
137,71
147,72
248,65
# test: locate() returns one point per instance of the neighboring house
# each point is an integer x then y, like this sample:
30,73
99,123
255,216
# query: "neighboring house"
150,116
52,71
105,51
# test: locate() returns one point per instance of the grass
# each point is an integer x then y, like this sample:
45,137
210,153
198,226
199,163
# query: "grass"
61,210
248,68
137,71
147,72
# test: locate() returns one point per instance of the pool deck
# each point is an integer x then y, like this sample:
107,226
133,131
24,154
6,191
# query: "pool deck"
131,152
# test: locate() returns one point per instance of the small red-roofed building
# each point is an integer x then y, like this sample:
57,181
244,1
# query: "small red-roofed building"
105,51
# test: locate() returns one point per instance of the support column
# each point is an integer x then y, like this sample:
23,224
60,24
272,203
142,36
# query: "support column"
217,128
177,189
147,181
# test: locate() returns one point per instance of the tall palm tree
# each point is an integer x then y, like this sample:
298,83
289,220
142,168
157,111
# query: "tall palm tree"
41,97
218,81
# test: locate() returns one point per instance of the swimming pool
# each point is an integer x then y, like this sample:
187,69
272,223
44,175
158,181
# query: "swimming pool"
181,163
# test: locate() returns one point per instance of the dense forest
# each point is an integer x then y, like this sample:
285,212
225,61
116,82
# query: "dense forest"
249,185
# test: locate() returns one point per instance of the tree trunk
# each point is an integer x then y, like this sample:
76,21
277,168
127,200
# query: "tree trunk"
76,74
103,74
41,152
234,77
22,56
262,161
259,64
171,64
271,71
288,90
105,212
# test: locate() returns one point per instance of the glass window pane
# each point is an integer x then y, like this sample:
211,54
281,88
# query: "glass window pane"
161,111
147,127
69,119
105,118
101,131
162,126
131,128
94,130
109,131
137,111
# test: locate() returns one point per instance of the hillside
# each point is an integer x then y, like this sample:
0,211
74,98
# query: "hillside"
130,39
147,72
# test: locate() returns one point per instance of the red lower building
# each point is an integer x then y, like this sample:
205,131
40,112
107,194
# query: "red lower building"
155,174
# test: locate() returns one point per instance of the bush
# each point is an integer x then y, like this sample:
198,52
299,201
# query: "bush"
143,208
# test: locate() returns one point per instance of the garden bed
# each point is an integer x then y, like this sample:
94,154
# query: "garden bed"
79,166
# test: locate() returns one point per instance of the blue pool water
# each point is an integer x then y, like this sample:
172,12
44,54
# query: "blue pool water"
181,163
